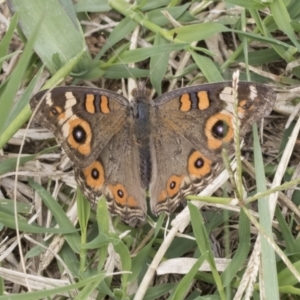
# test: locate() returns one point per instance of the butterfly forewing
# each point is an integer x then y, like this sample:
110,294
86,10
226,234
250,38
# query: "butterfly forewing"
79,118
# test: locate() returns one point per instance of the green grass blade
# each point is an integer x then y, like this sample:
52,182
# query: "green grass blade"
283,20
290,290
91,6
125,27
11,88
83,211
55,291
285,276
22,102
241,252
269,270
8,206
103,227
184,285
281,51
8,220
158,65
158,18
198,32
292,247
25,113
59,38
121,71
140,260
140,54
59,215
204,245
6,40
125,258
86,292
9,164
250,4
207,67
158,291
70,258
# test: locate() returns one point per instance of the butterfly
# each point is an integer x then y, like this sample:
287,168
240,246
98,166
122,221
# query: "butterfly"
171,145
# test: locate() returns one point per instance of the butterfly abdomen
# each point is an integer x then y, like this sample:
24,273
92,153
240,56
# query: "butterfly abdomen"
141,115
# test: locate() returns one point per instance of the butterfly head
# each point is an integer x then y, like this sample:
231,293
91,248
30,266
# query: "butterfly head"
141,93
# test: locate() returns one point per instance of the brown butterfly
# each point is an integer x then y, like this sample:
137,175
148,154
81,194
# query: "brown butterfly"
171,145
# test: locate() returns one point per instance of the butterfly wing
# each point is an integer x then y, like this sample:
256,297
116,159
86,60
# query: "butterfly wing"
189,128
116,175
79,118
94,129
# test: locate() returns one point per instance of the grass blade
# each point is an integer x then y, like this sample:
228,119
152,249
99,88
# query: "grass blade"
59,38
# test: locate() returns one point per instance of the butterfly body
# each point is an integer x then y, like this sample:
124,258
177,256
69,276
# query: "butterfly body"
171,145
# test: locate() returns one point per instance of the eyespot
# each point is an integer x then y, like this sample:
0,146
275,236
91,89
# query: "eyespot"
173,185
121,197
120,193
218,130
94,175
55,111
79,134
198,164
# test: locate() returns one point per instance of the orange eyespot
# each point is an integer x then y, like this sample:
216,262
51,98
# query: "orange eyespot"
121,196
79,135
56,111
219,130
198,164
173,185
94,175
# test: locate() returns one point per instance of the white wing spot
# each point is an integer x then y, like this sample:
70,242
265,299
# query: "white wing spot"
71,100
68,113
66,126
226,94
49,101
65,129
253,92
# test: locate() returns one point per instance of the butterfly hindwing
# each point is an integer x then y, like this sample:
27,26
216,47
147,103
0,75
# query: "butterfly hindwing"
116,174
